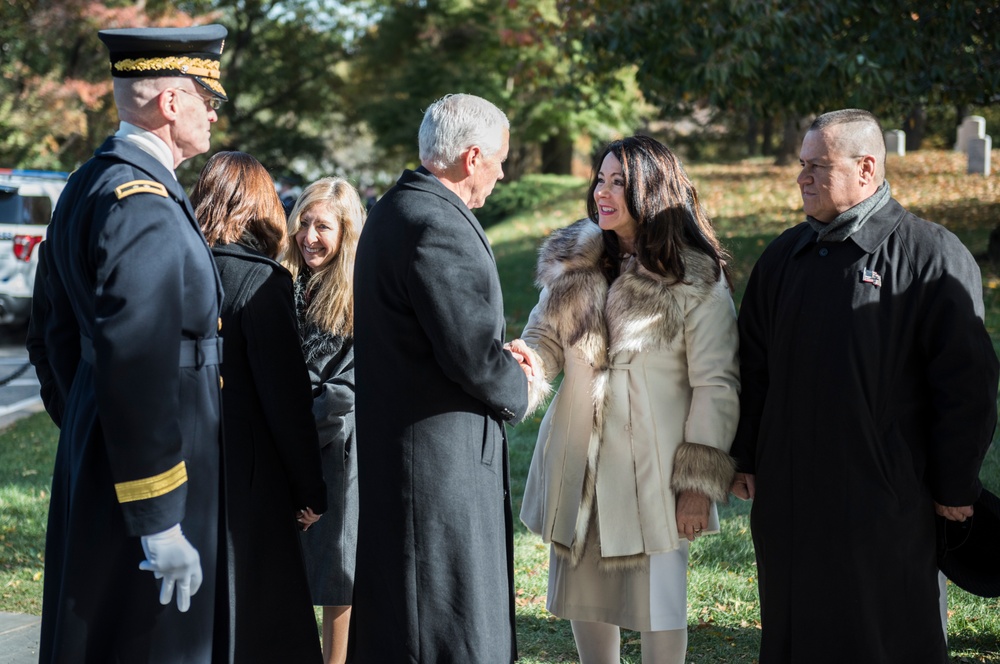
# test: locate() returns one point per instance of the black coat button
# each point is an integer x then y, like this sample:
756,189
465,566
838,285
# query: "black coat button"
824,251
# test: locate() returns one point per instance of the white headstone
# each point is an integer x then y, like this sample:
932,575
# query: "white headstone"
979,155
973,126
895,142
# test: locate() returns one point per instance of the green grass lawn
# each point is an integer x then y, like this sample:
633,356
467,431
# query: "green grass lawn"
750,202
27,451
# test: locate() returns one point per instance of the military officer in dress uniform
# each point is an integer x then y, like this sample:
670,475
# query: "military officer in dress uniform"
131,341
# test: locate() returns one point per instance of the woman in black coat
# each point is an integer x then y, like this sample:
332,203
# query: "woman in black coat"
323,228
273,474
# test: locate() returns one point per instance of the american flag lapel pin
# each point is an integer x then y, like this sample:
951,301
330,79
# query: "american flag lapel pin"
871,277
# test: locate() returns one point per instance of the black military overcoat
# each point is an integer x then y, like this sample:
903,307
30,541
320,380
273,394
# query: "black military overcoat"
131,341
869,391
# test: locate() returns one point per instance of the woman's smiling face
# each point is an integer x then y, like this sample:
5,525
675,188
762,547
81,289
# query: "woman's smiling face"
609,194
318,237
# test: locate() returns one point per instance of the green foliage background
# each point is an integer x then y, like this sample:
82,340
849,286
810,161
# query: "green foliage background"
325,87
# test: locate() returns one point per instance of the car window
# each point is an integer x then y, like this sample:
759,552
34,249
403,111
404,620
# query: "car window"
17,209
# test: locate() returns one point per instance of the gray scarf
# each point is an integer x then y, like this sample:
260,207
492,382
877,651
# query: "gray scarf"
850,221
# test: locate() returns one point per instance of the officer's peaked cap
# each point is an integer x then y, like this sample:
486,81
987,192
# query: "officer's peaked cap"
193,52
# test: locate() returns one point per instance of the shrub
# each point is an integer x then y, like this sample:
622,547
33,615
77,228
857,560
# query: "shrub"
528,193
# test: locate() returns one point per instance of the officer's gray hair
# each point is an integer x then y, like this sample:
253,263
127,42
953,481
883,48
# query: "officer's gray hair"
134,95
860,134
455,123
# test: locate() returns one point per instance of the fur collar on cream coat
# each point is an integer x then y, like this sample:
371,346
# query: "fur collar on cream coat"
653,359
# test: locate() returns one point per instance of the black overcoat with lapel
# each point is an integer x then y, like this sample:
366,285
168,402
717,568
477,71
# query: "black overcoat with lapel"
434,387
272,458
131,342
869,391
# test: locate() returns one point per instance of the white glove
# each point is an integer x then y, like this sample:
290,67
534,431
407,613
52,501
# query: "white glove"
169,556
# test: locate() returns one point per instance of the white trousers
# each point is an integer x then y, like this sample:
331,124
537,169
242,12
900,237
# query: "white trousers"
600,643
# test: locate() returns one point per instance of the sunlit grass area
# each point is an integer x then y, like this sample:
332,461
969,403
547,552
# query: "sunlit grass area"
750,202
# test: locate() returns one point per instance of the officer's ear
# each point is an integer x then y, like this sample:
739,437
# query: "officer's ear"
169,103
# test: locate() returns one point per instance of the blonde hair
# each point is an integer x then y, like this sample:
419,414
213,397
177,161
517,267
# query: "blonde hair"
331,304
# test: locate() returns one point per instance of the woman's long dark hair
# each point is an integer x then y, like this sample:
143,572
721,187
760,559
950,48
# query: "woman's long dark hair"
664,204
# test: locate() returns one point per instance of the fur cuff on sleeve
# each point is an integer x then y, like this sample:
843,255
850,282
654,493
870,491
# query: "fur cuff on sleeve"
539,388
702,469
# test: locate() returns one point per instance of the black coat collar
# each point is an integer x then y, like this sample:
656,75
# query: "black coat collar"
116,147
869,237
241,251
422,179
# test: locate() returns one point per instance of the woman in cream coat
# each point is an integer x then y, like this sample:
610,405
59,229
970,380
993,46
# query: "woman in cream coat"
636,311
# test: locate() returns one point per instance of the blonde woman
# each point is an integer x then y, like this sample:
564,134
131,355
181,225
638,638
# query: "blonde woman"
323,229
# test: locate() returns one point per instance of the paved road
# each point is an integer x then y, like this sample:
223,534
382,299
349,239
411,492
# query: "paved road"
18,384
18,397
19,638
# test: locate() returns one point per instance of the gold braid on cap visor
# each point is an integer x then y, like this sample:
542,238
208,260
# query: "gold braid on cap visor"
186,66
213,84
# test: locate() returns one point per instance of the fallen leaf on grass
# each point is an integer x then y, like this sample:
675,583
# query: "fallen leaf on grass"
705,624
529,601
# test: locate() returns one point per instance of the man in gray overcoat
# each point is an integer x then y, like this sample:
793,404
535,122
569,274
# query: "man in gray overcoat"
435,387
868,404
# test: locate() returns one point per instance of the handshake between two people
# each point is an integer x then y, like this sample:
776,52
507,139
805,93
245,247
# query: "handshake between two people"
524,357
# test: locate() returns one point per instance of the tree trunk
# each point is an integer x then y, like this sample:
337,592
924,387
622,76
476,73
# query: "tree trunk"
767,136
961,110
915,126
753,129
519,161
993,247
791,138
557,155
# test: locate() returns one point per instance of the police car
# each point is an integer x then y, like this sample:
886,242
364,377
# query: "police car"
27,199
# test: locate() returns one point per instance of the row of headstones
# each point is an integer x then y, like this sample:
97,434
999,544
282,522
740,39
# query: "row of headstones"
971,139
